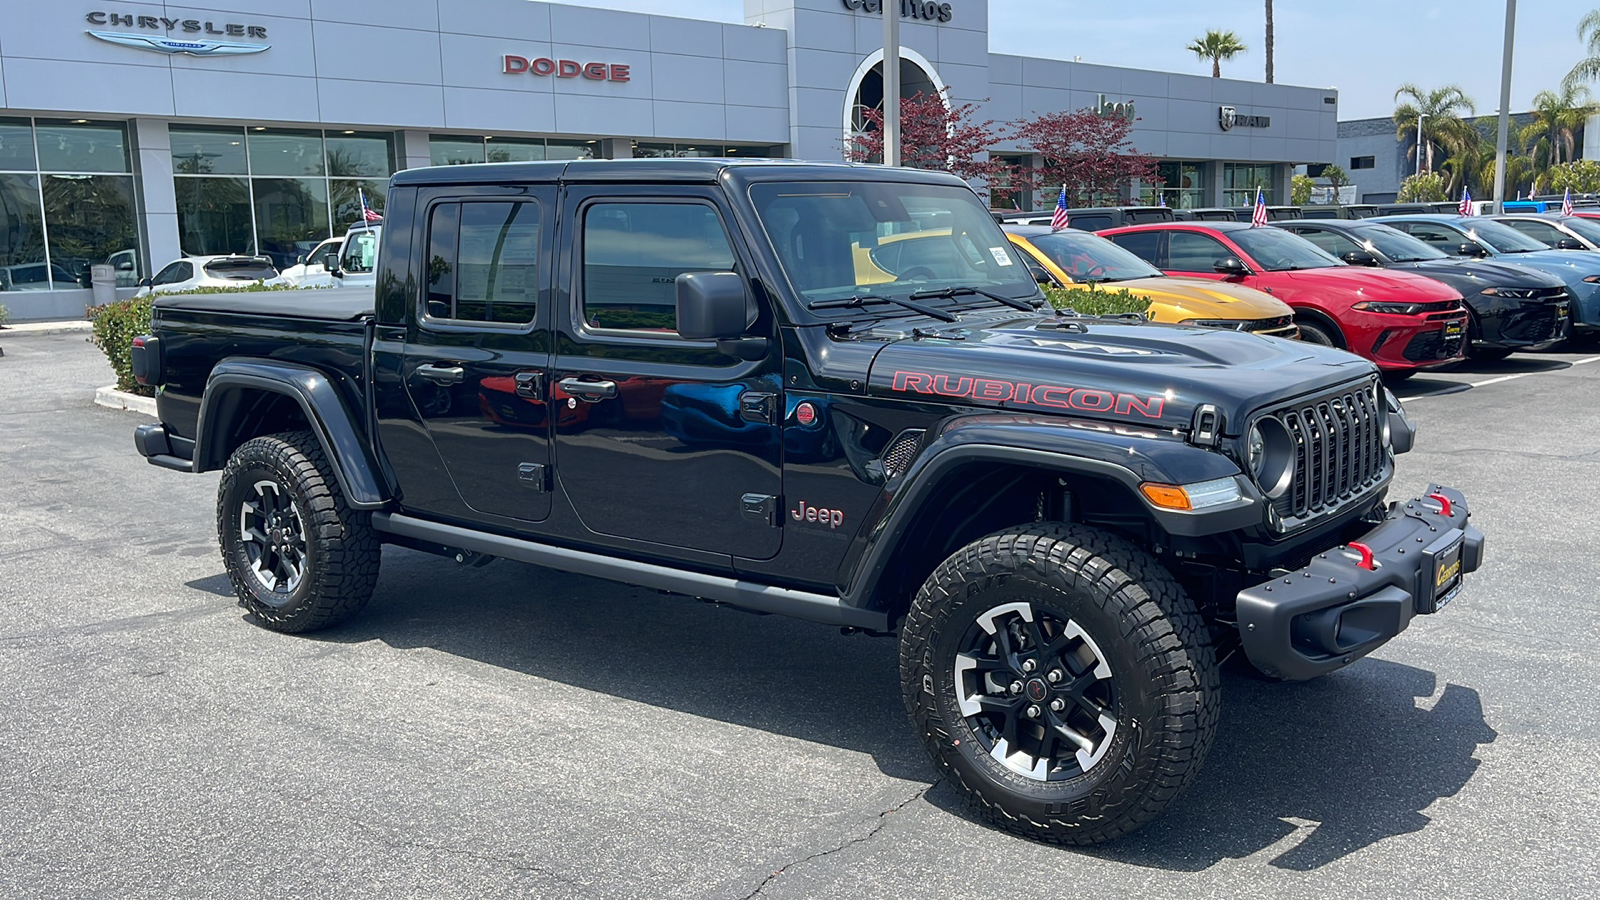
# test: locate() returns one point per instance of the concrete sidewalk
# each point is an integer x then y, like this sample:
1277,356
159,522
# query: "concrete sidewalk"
52,326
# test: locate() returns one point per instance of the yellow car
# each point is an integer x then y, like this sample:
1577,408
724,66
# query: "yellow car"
1069,257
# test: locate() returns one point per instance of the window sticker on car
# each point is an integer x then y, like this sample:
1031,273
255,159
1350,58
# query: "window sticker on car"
1001,257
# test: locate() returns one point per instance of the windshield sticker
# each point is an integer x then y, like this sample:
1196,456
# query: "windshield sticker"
1001,257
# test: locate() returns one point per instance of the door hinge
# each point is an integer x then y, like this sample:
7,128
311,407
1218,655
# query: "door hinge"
530,384
534,475
755,406
761,508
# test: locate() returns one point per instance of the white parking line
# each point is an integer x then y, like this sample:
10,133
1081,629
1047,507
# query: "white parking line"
1464,385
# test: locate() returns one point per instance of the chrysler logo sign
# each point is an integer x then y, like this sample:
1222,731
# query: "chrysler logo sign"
196,34
173,45
1228,117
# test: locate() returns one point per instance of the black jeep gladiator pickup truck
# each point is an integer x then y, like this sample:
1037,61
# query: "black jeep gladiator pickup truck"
833,392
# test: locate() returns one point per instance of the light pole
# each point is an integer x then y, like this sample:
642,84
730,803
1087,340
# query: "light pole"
1505,110
891,82
1420,117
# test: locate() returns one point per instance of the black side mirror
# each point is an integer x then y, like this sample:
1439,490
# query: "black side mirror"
1360,258
1471,248
715,306
1569,244
1231,266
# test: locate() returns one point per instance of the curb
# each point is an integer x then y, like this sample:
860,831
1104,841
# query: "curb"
25,329
111,398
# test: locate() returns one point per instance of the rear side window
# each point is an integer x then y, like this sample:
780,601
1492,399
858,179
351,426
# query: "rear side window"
1191,252
1549,235
1144,244
483,262
1433,234
1336,244
633,254
1089,223
240,269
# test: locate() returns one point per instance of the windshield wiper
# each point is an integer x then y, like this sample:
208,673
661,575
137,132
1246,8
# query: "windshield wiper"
947,293
861,300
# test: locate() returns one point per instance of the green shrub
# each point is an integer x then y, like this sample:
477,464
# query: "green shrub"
5,315
1092,301
117,324
115,327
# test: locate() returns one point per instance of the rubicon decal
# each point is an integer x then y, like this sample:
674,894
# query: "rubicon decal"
994,390
832,518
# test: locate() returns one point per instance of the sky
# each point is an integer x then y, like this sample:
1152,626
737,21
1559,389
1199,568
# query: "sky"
1365,48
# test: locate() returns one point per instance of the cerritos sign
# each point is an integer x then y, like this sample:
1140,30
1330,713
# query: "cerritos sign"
926,10
564,68
192,35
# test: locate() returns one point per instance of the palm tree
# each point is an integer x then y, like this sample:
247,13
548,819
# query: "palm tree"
1588,68
1440,112
1551,137
1269,41
1217,46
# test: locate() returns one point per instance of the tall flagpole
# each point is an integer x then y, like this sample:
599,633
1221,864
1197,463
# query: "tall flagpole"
1505,111
891,82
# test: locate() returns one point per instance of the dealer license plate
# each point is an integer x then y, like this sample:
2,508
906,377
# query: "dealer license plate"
1453,329
1446,576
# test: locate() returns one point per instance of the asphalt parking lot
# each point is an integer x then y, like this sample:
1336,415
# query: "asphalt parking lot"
512,731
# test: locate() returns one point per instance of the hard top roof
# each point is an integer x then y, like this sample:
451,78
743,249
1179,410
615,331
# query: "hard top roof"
697,169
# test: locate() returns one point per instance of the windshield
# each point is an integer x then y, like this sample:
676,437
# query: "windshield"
1277,250
1089,257
1395,244
1501,238
837,240
1588,229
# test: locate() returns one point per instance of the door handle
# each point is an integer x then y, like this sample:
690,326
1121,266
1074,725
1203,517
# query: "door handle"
442,374
589,391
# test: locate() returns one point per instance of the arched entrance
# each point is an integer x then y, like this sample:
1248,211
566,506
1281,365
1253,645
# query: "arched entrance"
865,93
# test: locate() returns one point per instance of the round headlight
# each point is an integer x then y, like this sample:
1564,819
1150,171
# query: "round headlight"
1272,465
1255,451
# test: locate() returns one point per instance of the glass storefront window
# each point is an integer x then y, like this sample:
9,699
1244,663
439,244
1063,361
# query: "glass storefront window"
346,194
214,216
283,152
514,150
291,216
455,151
354,155
570,149
82,146
90,219
208,152
22,256
16,146
1183,185
1240,180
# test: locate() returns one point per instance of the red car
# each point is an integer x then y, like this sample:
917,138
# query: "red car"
1401,321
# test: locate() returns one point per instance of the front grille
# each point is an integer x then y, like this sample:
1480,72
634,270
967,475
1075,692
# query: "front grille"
1269,326
898,455
1431,345
1339,452
1539,319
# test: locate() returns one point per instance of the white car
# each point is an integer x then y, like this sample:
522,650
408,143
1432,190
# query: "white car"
358,259
314,265
209,271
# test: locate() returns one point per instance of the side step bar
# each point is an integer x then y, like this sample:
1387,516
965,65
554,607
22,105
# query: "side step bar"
733,591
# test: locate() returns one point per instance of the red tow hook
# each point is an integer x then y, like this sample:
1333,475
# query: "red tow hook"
1366,554
1444,504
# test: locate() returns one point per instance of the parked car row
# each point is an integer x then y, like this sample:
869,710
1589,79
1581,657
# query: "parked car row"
348,260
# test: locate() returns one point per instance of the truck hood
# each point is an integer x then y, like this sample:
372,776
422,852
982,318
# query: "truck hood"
1370,284
1148,375
1175,299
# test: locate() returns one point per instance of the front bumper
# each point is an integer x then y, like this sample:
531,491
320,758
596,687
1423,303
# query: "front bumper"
1334,611
1405,343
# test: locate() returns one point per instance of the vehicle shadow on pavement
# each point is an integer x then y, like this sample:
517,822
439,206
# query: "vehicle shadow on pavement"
1348,759
772,673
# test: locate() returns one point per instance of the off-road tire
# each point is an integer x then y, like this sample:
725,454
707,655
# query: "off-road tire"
340,555
1163,674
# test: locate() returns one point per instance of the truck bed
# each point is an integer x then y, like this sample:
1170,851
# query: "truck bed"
333,304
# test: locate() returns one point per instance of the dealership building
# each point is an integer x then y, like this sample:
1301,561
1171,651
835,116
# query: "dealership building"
135,133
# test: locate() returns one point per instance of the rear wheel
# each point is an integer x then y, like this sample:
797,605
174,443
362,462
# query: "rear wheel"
299,558
1062,681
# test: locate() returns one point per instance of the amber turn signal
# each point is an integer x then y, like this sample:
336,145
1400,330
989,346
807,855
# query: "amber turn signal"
1166,496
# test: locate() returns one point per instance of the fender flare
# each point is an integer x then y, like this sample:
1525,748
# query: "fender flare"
1126,457
321,403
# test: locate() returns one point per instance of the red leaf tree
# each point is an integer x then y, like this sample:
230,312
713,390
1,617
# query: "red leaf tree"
1084,150
936,134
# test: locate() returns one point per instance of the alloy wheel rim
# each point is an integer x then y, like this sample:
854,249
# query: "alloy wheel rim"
1037,691
274,537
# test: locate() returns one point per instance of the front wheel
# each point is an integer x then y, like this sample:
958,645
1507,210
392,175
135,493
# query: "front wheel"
1062,681
299,558
1316,333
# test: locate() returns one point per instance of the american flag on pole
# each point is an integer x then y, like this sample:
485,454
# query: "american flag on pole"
1566,203
1059,220
1258,218
367,213
1466,203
